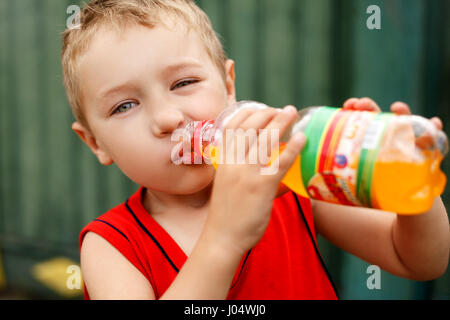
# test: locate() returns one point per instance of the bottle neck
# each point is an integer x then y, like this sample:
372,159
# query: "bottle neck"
198,135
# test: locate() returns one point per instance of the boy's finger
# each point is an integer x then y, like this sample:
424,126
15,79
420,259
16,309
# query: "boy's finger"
437,122
400,108
229,131
240,117
269,137
259,120
288,155
243,136
367,104
280,122
350,103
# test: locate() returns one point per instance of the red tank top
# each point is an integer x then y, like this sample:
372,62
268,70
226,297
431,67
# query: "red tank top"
285,264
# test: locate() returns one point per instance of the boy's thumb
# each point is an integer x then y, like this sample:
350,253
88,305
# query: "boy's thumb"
289,154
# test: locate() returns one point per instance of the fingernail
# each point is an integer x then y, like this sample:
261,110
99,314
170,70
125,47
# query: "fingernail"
289,109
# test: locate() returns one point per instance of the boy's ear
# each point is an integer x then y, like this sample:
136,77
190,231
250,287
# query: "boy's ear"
91,142
230,81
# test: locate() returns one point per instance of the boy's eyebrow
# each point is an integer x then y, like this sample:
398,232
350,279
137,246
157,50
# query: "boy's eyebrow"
165,71
180,65
105,93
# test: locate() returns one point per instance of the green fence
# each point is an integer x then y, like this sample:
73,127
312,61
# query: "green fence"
312,52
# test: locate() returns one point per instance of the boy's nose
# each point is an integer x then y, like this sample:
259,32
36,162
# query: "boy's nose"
167,121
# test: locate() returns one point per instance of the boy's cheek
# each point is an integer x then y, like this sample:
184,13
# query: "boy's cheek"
137,160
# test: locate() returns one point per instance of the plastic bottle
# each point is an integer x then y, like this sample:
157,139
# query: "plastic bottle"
356,158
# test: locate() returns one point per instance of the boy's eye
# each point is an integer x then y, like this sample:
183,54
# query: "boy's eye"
124,107
183,83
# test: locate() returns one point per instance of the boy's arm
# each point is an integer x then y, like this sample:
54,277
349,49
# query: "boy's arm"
108,275
239,212
415,247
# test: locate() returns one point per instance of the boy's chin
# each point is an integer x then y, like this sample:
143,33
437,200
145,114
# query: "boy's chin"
191,182
195,189
195,184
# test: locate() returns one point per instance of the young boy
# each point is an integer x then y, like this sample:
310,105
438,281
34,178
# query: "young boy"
137,70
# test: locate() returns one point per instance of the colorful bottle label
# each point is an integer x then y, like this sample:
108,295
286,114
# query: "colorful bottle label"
338,159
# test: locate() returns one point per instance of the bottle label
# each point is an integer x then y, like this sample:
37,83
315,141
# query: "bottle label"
369,152
338,141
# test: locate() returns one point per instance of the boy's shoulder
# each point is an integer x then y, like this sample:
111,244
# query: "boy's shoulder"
118,221
129,222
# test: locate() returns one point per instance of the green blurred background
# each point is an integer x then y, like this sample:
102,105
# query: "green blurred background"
301,52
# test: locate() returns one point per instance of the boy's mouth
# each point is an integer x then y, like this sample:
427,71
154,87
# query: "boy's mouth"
189,150
185,157
188,157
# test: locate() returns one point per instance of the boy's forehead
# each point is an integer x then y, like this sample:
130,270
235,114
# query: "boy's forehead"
156,38
114,56
160,43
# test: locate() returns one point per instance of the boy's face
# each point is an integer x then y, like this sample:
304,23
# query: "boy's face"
137,89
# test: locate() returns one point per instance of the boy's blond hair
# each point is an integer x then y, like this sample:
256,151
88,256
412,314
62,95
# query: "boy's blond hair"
122,13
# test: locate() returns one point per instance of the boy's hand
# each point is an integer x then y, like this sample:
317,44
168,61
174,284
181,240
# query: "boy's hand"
241,200
399,108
